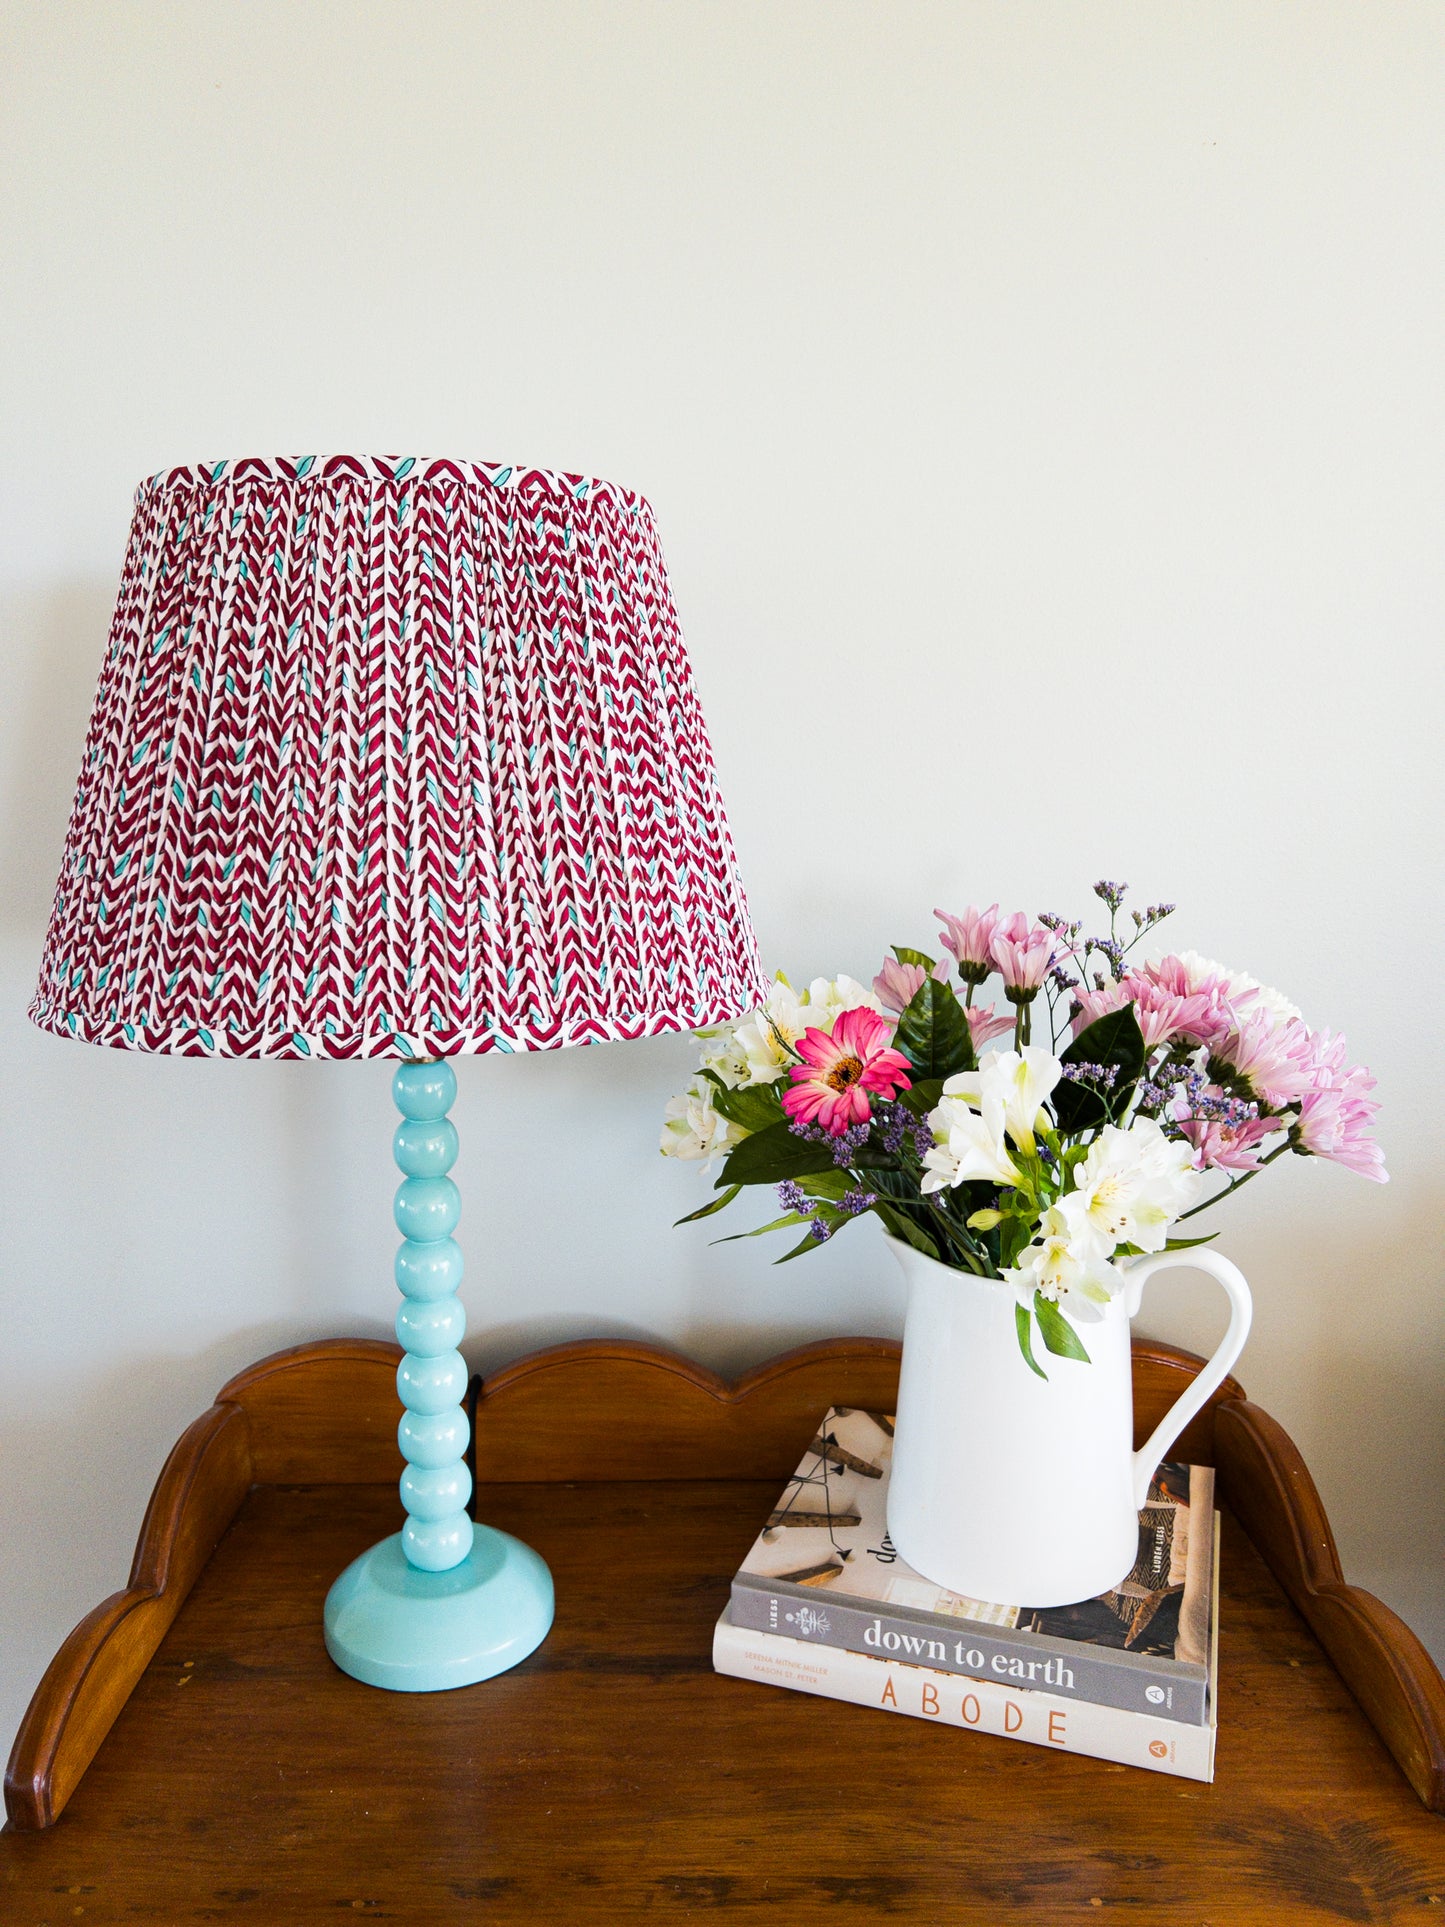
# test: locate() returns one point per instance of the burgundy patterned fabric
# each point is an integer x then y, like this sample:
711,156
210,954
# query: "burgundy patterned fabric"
393,758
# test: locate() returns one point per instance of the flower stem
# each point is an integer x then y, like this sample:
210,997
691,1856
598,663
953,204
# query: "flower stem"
1235,1183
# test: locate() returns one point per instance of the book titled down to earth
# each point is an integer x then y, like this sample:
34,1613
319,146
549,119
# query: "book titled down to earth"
824,1603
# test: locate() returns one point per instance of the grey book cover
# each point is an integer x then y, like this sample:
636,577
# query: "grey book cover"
823,1570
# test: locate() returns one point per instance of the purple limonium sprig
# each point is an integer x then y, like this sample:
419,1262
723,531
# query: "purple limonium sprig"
1108,947
1111,894
792,1197
822,1232
1060,926
896,1124
855,1203
843,1146
1161,1089
1207,1102
1104,1075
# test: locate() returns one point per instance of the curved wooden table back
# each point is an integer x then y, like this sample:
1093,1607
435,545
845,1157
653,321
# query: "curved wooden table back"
327,1413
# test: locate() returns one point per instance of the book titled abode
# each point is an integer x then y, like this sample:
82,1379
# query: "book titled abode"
977,1705
824,1572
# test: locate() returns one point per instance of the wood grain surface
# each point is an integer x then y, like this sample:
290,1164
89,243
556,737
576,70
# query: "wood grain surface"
613,1776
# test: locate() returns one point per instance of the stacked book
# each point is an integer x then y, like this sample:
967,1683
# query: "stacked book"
824,1604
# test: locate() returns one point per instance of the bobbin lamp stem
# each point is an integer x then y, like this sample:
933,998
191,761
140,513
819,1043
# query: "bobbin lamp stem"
444,1602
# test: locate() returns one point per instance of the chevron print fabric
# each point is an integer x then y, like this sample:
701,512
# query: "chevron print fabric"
393,758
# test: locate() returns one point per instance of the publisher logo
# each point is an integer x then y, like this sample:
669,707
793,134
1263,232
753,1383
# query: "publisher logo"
809,1623
1154,1694
1159,1748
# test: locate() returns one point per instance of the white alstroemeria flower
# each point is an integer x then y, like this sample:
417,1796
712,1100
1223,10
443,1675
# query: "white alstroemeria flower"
829,998
1068,1262
768,1037
725,1057
1134,1184
1017,1082
694,1130
968,1144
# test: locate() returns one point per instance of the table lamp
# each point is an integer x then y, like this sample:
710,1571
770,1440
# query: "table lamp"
402,759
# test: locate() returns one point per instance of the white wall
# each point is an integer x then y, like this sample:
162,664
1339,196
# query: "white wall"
1043,410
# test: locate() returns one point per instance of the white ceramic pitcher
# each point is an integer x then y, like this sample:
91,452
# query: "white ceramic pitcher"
1011,1488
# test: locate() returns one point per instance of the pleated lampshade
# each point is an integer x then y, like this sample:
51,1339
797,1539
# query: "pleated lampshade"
393,758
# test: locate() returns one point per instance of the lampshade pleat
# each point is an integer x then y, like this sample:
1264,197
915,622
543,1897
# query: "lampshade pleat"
393,758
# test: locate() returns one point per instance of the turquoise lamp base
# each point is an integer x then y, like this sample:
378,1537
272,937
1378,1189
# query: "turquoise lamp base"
392,1625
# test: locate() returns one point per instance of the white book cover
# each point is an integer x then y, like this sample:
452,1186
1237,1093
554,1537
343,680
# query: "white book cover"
949,1699
824,1569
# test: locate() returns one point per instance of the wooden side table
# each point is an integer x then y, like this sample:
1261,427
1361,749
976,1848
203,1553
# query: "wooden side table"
192,1754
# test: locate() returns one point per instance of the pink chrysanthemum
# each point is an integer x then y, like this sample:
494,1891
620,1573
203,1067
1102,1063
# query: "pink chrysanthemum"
831,1086
969,937
1274,1059
1335,1118
1163,1003
985,1024
1094,1004
1163,1015
897,984
1176,976
1022,953
1222,1146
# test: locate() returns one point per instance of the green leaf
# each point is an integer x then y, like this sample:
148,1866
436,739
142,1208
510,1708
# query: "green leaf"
753,1106
907,956
902,1226
802,1248
1056,1331
933,1032
1021,1326
831,1183
708,1209
1111,1039
1170,1244
767,1157
778,1224
923,1097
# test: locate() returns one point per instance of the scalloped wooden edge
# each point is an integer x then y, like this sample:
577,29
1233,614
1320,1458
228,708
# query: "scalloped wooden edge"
327,1413
1268,1487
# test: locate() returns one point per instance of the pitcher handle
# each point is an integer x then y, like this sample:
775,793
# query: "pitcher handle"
1211,1374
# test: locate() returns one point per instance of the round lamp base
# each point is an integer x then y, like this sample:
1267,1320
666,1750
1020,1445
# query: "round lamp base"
392,1625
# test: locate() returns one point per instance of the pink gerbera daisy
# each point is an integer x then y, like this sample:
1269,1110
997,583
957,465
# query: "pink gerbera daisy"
831,1086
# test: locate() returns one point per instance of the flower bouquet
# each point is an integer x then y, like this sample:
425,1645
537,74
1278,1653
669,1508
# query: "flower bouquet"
1042,1165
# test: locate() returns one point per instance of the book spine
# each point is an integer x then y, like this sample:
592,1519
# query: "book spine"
1038,1719
1000,1655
